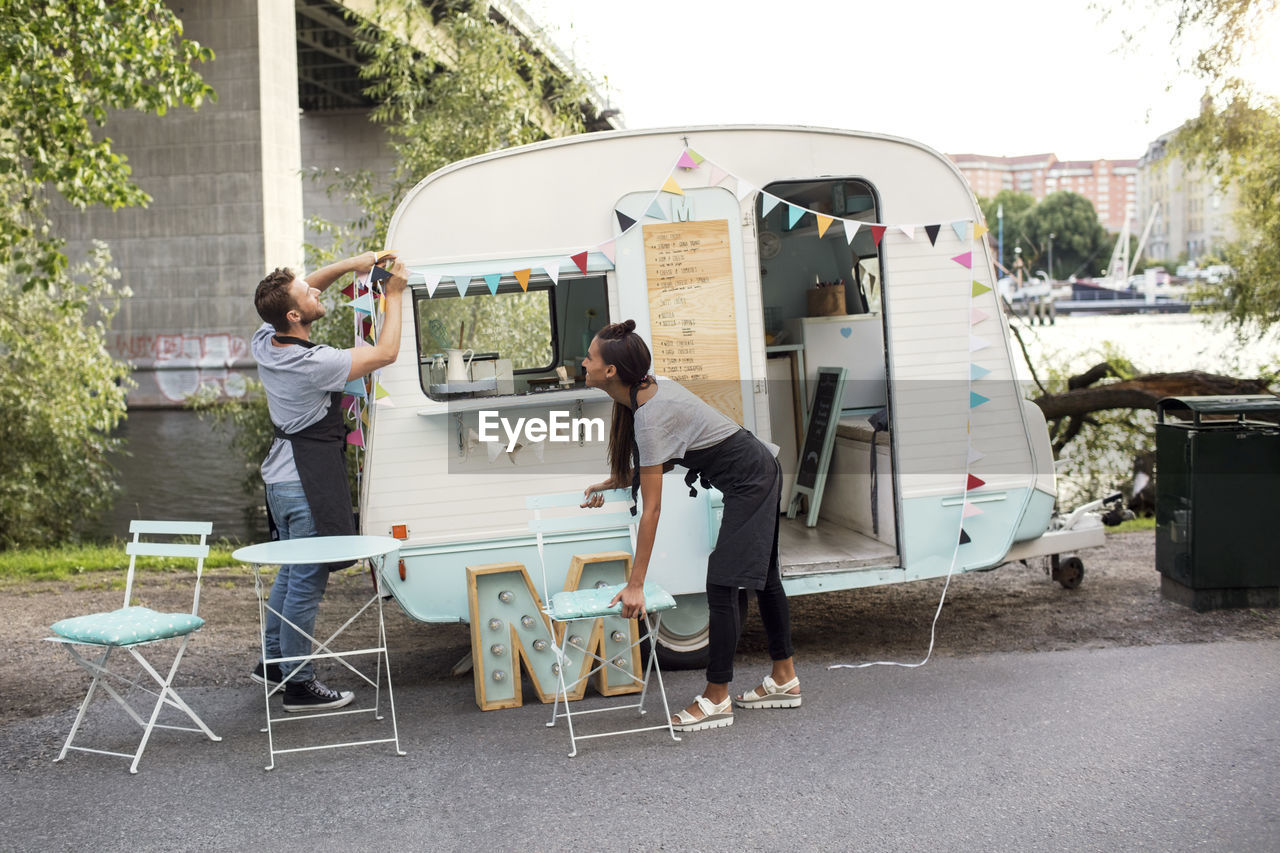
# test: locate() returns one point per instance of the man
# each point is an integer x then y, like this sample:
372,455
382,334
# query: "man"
304,472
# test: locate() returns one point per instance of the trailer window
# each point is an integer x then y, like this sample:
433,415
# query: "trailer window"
514,325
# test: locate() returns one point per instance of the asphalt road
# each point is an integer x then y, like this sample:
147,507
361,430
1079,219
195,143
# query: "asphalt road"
1173,747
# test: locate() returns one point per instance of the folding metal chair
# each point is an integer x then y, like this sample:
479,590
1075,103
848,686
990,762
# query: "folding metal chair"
568,607
131,628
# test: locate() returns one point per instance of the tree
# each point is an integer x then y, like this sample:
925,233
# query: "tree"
1081,245
66,65
1236,138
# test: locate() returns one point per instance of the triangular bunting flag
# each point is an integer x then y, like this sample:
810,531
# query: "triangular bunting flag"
976,372
581,260
974,456
349,291
493,279
348,402
850,229
979,288
716,175
433,281
965,260
974,483
364,304
976,399
932,231
877,231
624,222
672,187
366,325
609,250
356,388
969,510
355,437
964,537
462,282
655,211
386,401
976,343
909,230
686,161
379,392
364,417
522,276
824,222
794,214
767,203
961,227
979,230
553,271
697,158
976,316
744,189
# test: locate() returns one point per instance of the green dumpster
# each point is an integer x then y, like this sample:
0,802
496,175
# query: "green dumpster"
1218,500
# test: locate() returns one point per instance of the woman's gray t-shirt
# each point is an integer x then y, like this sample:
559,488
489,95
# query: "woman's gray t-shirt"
297,381
675,421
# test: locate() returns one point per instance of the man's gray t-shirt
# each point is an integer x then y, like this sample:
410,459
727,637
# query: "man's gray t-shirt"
675,421
298,381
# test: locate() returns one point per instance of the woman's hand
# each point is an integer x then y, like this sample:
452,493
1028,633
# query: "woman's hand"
632,598
592,494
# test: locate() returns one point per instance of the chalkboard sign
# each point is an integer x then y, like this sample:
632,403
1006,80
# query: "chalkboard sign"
820,436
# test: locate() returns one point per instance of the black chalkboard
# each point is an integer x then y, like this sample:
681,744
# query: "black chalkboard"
815,454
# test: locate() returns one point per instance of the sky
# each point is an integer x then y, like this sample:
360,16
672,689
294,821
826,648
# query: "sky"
995,77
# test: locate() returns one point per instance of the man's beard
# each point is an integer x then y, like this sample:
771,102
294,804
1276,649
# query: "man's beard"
306,321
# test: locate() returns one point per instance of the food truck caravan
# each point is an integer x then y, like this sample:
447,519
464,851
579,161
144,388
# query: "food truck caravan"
829,290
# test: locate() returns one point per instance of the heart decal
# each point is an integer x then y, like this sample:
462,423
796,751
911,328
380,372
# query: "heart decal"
846,331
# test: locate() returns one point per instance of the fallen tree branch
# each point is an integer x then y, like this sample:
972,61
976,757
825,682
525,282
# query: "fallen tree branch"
1141,392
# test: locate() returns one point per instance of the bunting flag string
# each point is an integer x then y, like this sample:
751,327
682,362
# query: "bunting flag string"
688,162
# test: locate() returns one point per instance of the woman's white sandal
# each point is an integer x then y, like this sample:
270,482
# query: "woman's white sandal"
771,694
713,716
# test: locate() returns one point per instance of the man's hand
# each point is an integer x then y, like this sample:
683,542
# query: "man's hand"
632,598
362,263
399,279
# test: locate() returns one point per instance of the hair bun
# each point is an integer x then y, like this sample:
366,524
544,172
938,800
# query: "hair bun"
628,326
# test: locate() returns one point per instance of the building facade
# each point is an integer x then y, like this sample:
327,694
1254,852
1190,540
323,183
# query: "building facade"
1194,216
1111,185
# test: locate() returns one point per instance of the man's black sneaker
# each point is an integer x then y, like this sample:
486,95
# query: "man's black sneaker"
269,675
313,696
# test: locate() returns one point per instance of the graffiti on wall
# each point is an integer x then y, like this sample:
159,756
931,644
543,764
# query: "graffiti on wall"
184,362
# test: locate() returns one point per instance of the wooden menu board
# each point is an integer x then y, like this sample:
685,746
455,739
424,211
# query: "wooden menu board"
691,315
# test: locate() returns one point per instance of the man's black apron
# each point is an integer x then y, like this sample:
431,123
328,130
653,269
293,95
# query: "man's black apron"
319,454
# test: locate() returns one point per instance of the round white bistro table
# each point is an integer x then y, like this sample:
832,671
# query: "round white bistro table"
326,549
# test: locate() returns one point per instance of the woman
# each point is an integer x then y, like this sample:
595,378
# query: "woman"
658,424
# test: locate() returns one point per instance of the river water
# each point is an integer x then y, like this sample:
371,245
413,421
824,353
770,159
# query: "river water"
179,466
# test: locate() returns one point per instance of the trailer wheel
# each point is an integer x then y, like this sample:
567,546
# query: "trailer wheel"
1069,572
683,635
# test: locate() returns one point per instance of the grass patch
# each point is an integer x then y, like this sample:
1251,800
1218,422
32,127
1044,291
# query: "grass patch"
72,561
1134,525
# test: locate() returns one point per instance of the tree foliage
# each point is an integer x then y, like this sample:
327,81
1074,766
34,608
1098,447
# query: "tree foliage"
62,395
67,64
1080,243
1236,138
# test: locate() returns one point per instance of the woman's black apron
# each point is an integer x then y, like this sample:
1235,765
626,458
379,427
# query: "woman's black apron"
750,478
319,453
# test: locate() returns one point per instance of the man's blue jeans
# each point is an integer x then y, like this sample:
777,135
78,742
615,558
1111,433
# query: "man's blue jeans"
297,589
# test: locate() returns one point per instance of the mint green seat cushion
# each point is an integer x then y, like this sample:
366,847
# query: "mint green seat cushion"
584,603
126,626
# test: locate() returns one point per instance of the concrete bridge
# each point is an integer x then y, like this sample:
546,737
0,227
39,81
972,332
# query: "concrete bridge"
229,196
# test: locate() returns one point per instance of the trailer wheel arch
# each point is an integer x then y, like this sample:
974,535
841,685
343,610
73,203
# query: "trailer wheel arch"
683,641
